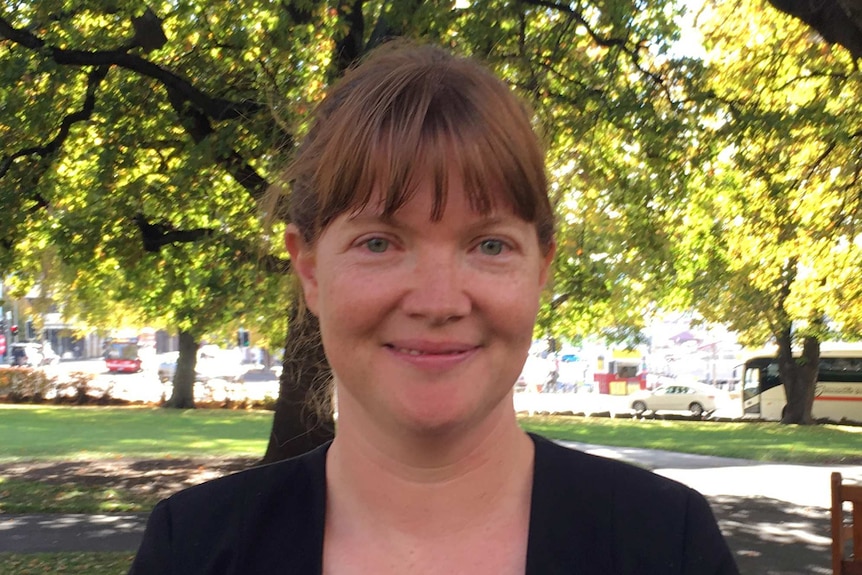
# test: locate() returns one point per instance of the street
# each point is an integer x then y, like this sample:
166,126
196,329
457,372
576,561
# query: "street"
595,403
255,383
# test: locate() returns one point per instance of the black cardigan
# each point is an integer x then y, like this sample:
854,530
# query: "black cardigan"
589,516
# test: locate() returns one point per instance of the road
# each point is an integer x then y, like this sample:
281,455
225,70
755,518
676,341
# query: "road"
141,386
145,385
595,403
257,383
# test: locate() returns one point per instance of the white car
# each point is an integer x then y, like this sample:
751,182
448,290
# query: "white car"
697,399
32,355
210,365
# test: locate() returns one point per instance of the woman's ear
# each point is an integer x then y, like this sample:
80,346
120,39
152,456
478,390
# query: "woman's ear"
302,259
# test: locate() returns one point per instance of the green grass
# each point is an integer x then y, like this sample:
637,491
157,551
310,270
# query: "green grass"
748,440
66,563
67,433
57,432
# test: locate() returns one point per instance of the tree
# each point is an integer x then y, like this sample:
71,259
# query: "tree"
96,164
150,135
770,242
611,102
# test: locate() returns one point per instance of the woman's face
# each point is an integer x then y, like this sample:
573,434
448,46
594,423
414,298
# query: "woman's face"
426,325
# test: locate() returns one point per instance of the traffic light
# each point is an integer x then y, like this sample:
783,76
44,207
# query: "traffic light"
14,331
31,330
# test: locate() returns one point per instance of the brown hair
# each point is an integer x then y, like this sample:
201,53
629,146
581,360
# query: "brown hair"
409,112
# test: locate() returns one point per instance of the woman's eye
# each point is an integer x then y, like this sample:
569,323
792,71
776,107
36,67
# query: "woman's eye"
491,247
377,245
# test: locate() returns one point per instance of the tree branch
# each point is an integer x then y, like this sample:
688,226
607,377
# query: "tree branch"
194,107
155,236
215,108
198,126
830,18
632,50
349,48
94,78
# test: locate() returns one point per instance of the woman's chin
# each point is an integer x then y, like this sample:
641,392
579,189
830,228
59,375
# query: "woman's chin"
447,418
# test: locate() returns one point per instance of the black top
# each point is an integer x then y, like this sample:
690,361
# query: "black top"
589,516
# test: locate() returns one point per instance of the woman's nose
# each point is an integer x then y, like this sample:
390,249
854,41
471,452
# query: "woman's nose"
437,288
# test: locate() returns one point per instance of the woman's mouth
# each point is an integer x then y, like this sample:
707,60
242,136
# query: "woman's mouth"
432,356
419,352
420,348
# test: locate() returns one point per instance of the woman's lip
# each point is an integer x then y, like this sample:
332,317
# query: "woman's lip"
433,359
422,348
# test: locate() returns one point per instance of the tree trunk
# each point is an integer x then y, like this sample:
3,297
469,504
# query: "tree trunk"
799,377
183,396
303,413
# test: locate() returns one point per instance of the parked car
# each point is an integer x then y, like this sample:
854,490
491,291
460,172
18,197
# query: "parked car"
212,363
696,399
32,355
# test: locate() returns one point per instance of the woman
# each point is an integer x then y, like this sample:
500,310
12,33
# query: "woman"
422,236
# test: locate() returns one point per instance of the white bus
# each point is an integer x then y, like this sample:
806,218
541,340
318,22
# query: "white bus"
838,393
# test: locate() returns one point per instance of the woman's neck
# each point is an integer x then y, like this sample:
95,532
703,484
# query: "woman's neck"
434,484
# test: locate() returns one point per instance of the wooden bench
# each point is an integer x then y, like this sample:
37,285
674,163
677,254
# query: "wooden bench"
843,533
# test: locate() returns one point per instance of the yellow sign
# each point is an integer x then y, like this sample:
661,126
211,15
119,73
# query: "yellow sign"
619,387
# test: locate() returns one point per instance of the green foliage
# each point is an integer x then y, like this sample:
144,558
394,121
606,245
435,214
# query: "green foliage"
93,155
770,241
187,135
133,174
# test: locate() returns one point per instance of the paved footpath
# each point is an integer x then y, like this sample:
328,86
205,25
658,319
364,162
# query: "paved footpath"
53,532
775,516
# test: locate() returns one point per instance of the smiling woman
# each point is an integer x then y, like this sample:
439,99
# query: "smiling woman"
411,308
422,234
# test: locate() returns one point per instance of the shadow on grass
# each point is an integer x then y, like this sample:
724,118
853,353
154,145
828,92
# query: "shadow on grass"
105,485
153,476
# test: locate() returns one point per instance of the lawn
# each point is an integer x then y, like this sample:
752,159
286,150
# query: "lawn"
762,441
69,433
56,432
70,563
65,450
